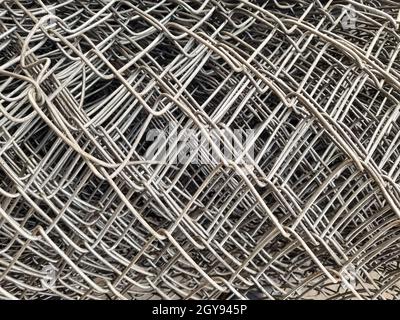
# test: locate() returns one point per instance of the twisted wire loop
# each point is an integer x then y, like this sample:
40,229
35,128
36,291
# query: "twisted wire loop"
85,214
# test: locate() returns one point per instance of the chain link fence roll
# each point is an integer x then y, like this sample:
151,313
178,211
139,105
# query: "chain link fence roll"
199,149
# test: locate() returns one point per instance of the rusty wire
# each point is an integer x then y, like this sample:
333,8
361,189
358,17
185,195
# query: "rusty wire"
83,82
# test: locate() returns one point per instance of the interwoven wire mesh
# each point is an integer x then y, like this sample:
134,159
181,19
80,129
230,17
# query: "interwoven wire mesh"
313,213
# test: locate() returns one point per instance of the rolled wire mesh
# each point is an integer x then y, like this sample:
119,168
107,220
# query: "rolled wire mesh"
85,213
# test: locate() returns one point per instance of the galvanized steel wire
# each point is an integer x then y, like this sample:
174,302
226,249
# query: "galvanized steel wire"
83,82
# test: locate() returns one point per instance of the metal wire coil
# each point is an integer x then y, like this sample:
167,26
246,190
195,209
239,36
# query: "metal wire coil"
86,214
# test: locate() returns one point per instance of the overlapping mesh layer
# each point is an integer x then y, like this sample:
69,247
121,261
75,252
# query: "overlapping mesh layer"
85,213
